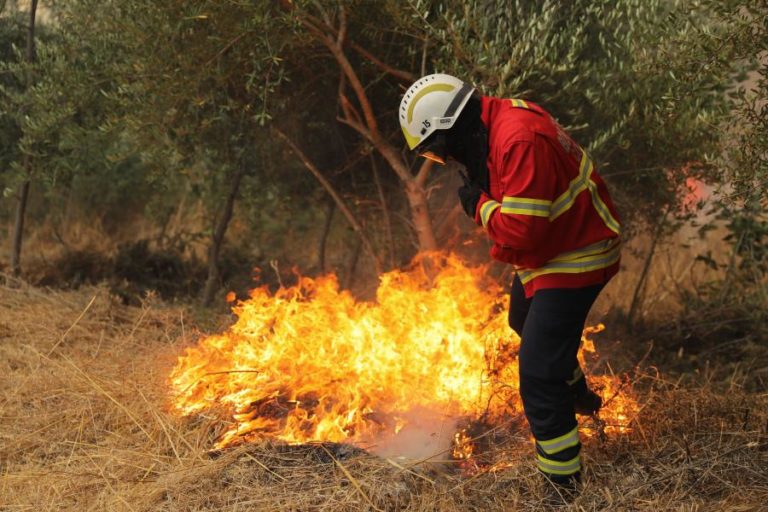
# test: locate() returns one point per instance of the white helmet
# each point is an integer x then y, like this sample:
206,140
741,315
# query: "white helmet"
433,102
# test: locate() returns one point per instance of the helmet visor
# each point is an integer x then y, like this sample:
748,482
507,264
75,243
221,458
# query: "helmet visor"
434,148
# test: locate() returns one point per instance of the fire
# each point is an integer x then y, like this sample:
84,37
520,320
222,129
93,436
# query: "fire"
311,363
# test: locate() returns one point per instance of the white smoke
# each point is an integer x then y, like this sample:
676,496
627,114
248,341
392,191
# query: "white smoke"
426,434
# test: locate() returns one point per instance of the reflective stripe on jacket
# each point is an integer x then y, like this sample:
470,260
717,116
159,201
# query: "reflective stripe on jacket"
548,213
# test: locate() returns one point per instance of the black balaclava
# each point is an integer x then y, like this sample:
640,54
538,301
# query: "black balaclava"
467,142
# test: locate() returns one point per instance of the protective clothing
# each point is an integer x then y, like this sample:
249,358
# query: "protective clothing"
549,214
547,211
551,382
432,103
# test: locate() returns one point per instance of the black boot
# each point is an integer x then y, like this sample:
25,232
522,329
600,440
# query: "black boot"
561,490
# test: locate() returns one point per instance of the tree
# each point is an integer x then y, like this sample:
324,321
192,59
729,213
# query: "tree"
12,36
63,121
27,161
331,28
192,99
747,158
740,294
608,71
197,108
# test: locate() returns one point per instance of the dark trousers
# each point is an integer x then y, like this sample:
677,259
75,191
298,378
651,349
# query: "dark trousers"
550,325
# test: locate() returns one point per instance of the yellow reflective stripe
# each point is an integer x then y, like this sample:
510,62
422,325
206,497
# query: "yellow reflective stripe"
564,202
557,444
601,247
602,209
578,184
527,200
519,103
559,468
526,206
486,210
428,89
526,277
576,266
557,463
523,211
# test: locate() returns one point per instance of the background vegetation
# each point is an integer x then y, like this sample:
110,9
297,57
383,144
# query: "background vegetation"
176,146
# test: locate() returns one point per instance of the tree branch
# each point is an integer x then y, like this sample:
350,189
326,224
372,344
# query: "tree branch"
336,197
347,69
349,110
369,129
226,47
421,176
342,32
404,76
217,237
358,127
384,211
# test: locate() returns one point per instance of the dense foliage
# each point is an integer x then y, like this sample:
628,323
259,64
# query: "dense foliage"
166,114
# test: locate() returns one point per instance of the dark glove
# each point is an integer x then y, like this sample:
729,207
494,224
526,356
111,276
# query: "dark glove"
587,403
469,195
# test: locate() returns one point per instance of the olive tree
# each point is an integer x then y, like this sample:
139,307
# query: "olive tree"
608,71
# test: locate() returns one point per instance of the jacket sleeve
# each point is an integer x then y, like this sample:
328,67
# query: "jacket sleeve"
521,220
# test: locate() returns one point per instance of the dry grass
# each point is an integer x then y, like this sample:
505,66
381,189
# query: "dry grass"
83,426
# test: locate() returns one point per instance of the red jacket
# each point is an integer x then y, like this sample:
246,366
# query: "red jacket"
549,213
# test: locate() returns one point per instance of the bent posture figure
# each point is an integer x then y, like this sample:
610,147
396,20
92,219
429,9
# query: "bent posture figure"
538,196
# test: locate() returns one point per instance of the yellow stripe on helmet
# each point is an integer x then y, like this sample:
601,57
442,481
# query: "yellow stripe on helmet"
428,89
410,139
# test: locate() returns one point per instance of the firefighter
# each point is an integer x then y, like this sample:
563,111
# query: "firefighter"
548,213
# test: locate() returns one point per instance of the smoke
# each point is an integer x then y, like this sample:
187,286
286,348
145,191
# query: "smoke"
426,433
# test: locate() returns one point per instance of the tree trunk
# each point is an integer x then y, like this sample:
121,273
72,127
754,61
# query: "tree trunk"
637,296
367,125
330,209
352,269
415,192
21,206
212,283
385,213
422,223
18,225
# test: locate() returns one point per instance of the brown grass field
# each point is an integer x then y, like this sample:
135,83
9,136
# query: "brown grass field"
84,426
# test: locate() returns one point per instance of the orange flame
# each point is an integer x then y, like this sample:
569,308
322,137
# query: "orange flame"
311,363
